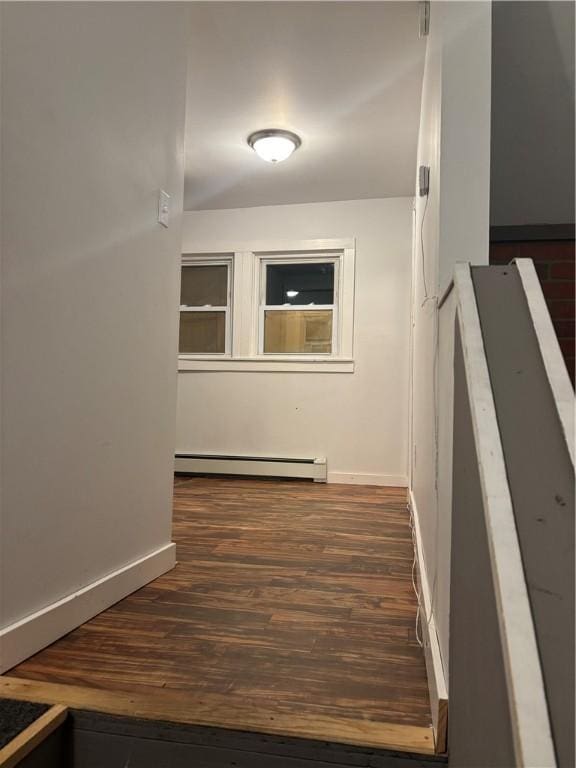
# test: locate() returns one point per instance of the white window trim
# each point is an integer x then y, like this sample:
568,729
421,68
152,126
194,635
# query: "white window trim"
192,260
247,260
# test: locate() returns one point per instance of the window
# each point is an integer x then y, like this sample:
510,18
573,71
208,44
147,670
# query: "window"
269,309
205,308
297,309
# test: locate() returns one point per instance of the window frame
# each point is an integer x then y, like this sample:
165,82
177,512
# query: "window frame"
245,284
206,260
278,259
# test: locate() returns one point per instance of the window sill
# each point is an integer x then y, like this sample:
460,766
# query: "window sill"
267,364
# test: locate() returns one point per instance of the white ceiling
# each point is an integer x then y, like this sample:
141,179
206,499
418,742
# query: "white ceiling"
345,76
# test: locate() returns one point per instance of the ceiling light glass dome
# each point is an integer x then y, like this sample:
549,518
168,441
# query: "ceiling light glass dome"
273,145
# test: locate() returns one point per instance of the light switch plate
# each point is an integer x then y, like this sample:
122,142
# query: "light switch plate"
163,208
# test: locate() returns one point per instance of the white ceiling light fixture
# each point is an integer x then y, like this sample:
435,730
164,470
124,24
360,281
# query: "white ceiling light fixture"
274,145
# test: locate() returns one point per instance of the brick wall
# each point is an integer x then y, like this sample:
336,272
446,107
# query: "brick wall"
554,262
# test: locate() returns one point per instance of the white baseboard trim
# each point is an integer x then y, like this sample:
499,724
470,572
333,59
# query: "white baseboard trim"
437,687
24,638
360,478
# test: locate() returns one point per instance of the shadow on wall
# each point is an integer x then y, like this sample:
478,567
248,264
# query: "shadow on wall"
532,152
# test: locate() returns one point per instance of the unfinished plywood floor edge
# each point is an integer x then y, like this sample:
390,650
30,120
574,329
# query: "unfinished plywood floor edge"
28,739
215,710
291,611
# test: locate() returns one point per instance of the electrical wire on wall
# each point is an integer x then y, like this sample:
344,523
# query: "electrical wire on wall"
424,283
411,442
434,299
414,580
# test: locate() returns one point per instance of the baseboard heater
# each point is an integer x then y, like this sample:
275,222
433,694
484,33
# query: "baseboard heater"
269,466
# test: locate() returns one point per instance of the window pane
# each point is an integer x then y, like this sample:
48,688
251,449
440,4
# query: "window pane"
305,331
204,286
202,332
299,284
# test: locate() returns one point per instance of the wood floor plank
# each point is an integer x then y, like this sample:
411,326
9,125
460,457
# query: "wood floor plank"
209,709
291,607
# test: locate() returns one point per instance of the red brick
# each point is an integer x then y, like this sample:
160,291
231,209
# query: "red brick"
564,328
557,289
503,253
571,365
542,271
546,250
567,347
564,270
561,309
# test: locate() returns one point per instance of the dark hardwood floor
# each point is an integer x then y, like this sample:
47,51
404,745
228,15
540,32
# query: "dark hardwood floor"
291,610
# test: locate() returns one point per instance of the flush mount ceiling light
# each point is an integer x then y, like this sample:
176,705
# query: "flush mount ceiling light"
274,145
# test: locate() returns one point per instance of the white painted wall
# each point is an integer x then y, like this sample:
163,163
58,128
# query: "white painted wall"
92,126
358,421
452,226
533,113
